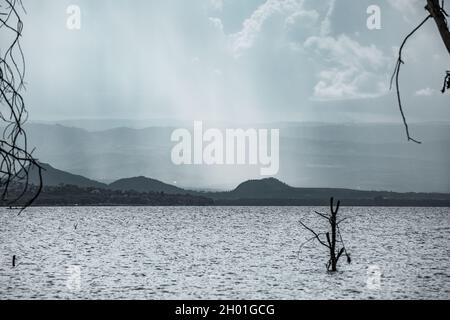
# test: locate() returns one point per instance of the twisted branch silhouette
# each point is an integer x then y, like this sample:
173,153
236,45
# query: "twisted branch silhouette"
333,238
437,12
16,161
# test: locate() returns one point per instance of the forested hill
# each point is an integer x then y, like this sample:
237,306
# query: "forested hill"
63,188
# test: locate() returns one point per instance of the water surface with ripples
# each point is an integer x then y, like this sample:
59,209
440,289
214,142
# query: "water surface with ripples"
220,253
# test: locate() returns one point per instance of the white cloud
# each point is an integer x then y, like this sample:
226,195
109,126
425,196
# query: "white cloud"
217,23
346,84
308,17
216,4
293,12
407,7
426,92
350,71
175,69
245,38
346,51
325,28
347,69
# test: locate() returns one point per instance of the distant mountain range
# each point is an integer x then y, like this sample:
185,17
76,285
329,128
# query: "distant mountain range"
356,156
53,177
253,192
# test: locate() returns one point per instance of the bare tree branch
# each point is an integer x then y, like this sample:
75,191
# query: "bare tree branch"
446,83
439,15
437,11
396,76
16,160
315,235
322,215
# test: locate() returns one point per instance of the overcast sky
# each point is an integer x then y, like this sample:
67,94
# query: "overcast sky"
246,60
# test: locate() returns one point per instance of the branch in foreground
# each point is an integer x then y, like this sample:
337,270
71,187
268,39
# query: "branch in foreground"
446,83
437,11
15,159
396,76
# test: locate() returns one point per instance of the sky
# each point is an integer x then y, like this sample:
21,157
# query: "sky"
231,60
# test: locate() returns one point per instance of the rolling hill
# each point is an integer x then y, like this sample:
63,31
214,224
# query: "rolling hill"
143,184
268,192
55,177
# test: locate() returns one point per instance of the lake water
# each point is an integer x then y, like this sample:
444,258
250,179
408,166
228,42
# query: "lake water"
221,253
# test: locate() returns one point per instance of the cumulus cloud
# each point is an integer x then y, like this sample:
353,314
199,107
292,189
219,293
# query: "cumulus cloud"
346,69
407,7
245,38
426,92
216,4
186,62
217,23
345,84
325,27
352,71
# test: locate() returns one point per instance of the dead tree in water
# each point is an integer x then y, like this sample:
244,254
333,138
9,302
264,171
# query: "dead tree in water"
332,238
